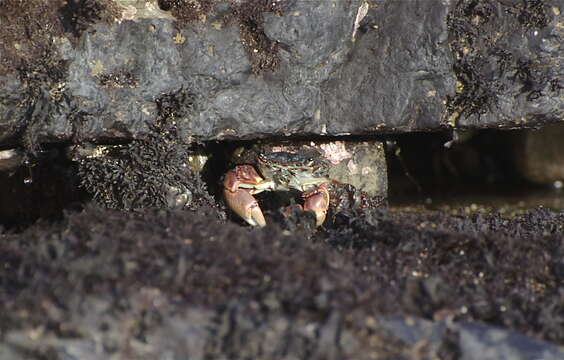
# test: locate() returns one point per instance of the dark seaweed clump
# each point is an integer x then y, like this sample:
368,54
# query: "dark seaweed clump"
150,172
30,31
485,69
79,15
118,79
28,28
27,47
186,11
261,51
501,271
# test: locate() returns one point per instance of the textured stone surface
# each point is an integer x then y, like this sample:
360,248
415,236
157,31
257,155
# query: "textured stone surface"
508,61
300,67
105,284
398,72
200,333
362,165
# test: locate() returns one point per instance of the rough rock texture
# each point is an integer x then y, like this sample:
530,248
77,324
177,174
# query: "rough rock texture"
397,74
508,61
362,165
93,69
104,284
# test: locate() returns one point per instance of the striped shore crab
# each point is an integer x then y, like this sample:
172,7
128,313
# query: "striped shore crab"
277,168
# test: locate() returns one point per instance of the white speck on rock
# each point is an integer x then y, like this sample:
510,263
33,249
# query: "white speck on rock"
353,169
362,11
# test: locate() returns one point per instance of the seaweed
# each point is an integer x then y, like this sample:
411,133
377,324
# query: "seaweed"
187,11
151,171
118,79
488,268
78,16
479,32
262,52
31,31
28,30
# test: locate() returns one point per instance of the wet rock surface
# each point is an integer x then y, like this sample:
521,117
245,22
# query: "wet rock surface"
506,64
397,74
165,284
250,70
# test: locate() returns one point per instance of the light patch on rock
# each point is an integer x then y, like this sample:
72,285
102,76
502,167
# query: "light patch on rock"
141,9
335,151
362,11
96,68
353,169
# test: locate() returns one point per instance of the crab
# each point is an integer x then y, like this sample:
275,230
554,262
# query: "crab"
278,170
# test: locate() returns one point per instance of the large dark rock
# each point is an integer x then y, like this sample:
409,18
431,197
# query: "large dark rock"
259,69
104,284
397,74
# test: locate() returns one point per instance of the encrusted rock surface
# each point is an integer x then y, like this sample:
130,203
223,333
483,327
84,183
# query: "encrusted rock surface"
94,69
508,62
105,284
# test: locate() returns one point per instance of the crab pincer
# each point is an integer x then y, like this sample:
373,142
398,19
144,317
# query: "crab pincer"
317,200
237,190
279,171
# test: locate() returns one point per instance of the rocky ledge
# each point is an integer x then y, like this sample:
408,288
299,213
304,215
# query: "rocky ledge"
98,69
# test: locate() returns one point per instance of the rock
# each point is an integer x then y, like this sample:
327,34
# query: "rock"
106,284
397,74
361,164
468,340
235,70
199,333
508,63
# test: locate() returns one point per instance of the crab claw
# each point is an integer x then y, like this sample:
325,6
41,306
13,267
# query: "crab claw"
244,204
240,199
241,176
317,200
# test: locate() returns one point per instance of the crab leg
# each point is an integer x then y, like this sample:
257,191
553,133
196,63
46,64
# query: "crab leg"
317,200
238,188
